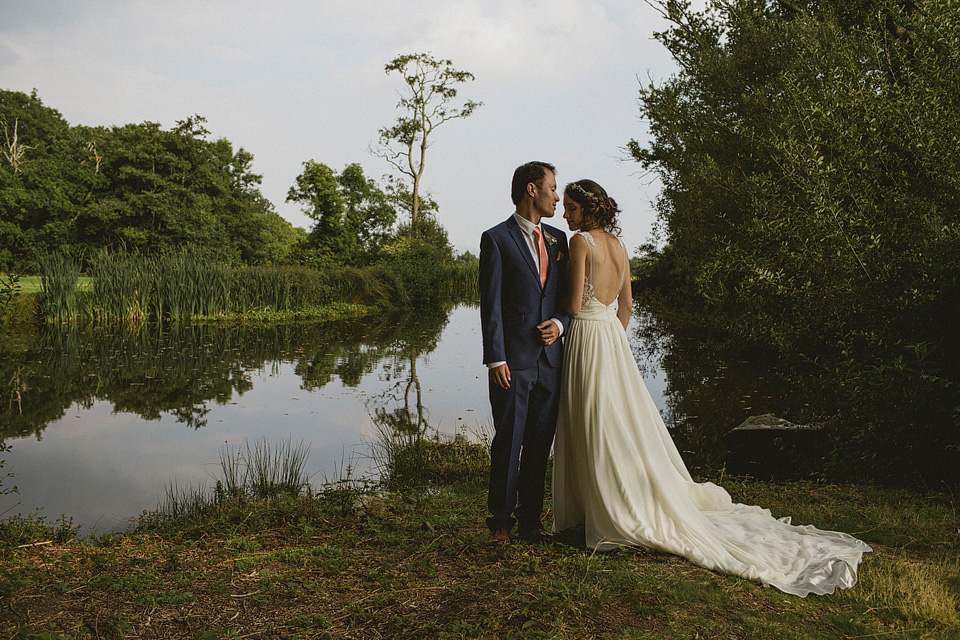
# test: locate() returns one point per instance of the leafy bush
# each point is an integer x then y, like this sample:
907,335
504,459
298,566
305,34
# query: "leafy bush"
420,267
809,154
9,289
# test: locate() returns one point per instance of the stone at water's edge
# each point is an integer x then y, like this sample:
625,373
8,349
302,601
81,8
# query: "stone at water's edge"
770,422
768,447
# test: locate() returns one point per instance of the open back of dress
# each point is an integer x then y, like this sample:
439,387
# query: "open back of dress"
606,268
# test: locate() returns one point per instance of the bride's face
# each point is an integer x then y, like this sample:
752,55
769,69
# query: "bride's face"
572,213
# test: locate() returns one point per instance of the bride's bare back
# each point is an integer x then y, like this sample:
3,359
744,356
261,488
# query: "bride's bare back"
605,265
598,261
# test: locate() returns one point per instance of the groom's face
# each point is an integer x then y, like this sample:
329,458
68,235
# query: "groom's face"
545,197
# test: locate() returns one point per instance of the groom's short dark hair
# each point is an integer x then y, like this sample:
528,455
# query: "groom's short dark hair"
533,172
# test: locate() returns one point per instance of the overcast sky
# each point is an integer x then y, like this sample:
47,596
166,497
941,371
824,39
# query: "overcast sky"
293,80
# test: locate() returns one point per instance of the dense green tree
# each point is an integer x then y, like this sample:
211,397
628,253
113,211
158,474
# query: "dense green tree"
808,152
151,199
401,196
420,255
467,259
164,189
136,187
278,239
41,177
352,215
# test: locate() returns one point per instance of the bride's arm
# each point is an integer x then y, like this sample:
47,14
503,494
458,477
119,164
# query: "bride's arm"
625,299
577,269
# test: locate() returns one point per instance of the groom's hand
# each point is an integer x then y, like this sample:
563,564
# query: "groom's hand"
549,332
501,376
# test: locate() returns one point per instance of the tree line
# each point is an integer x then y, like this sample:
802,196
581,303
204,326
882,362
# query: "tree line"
148,190
809,153
135,187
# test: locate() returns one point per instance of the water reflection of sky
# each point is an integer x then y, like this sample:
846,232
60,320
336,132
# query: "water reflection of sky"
102,468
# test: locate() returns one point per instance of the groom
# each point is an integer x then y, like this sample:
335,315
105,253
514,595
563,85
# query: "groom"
522,276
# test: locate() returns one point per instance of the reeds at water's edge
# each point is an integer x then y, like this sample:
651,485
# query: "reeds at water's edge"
59,274
402,457
464,281
175,285
257,471
184,284
264,470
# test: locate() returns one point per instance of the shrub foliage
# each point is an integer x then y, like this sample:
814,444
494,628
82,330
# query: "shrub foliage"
809,154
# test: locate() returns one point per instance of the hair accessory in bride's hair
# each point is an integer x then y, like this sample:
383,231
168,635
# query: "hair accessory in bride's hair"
599,209
592,197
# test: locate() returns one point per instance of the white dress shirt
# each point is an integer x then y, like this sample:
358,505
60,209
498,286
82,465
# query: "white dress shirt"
527,227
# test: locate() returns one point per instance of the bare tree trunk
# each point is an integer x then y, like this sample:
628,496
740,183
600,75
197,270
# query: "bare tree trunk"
15,150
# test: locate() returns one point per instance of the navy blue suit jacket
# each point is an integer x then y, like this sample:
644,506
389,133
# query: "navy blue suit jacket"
512,302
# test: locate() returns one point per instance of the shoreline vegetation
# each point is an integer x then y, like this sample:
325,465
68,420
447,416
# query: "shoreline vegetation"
264,554
185,286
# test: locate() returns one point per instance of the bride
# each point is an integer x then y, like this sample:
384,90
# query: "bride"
617,471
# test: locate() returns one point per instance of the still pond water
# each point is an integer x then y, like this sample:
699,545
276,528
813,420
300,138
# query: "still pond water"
102,421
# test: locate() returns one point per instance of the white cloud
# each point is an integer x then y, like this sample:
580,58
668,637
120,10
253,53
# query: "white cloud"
520,42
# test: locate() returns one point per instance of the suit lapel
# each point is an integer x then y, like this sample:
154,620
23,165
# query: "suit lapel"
517,234
551,250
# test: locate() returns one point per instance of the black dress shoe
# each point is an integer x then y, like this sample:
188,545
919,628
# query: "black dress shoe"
536,534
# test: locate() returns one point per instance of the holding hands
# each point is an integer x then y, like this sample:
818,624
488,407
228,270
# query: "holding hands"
549,332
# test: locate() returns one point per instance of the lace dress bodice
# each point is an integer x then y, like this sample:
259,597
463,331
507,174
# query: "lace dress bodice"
587,285
591,268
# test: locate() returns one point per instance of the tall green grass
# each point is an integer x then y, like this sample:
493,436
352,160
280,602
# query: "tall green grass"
283,288
121,286
262,288
186,283
464,281
59,274
182,502
175,285
182,284
376,286
263,470
253,471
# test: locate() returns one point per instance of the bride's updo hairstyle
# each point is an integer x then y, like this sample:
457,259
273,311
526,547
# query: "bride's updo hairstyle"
599,209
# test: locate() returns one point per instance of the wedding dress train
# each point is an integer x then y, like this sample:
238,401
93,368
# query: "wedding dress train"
618,473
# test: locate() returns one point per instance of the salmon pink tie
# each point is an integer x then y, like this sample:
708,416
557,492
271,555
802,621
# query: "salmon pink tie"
542,253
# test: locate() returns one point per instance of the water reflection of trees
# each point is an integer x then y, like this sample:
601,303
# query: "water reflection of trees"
399,409
181,370
713,386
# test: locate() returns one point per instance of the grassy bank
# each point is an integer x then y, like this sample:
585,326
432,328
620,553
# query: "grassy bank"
413,562
331,311
24,309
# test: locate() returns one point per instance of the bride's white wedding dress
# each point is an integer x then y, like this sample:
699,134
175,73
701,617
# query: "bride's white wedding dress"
617,471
